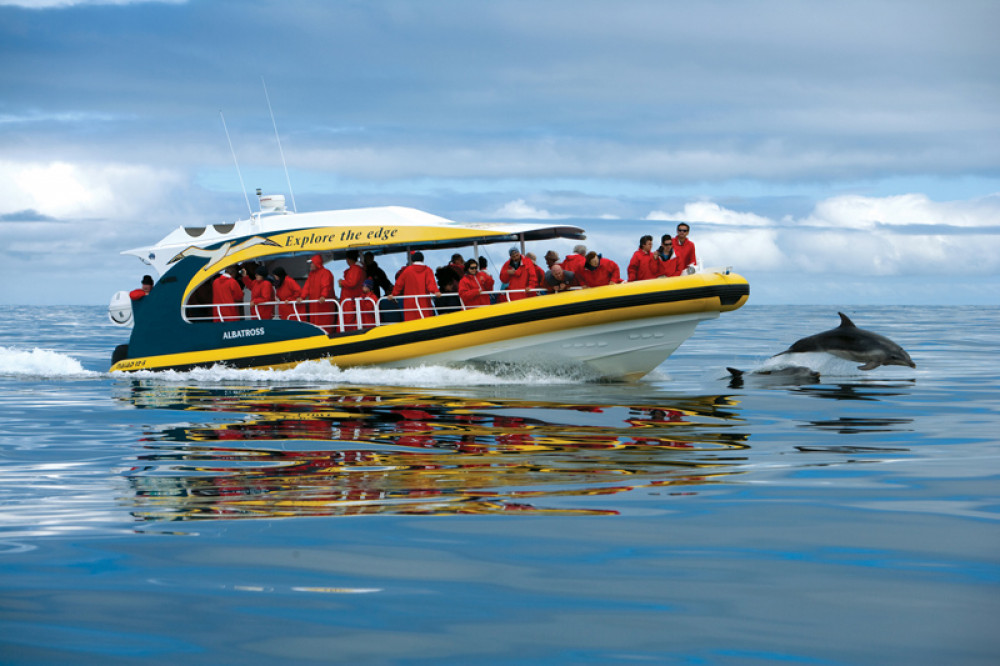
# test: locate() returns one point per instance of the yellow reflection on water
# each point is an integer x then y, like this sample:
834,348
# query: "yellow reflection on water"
252,452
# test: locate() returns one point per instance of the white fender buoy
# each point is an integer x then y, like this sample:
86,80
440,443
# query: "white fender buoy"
120,309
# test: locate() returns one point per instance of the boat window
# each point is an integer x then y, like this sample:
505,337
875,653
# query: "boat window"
224,228
194,231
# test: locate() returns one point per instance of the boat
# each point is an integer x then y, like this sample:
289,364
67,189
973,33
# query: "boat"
618,332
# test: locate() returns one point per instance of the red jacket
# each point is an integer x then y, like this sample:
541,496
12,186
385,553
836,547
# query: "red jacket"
287,292
684,254
354,278
351,307
226,290
416,280
485,279
574,263
524,277
670,267
262,291
470,290
319,284
643,266
606,273
367,307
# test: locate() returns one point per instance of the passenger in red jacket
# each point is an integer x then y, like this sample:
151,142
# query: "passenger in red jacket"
288,291
684,248
350,289
539,272
147,286
666,258
643,265
519,274
484,276
262,295
457,265
227,295
415,284
367,303
470,289
575,262
319,288
598,272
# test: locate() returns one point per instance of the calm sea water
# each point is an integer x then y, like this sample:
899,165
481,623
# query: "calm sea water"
449,516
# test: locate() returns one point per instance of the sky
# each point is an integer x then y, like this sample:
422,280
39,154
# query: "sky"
842,153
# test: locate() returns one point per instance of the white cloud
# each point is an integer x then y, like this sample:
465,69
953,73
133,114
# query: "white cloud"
860,212
707,211
519,210
55,117
63,189
853,236
759,249
60,4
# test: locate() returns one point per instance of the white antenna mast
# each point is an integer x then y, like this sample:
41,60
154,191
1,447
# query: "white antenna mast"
280,151
236,162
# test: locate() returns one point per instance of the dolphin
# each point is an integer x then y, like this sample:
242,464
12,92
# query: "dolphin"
221,252
849,342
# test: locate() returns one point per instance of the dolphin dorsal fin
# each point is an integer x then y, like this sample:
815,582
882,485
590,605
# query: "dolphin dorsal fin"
845,320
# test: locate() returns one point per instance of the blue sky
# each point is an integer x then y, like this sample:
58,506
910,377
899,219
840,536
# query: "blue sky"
841,153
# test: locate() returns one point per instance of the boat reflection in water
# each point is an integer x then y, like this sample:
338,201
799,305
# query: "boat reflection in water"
274,452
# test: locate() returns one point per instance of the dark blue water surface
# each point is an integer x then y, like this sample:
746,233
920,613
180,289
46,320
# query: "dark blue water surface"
441,515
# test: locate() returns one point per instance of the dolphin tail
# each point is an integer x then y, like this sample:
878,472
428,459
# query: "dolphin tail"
737,374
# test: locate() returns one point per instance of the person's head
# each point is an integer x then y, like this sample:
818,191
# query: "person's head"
368,258
531,255
580,249
456,258
646,242
315,263
557,271
551,257
416,256
260,272
482,263
368,286
593,259
280,274
665,239
445,276
682,231
147,283
471,267
352,257
515,254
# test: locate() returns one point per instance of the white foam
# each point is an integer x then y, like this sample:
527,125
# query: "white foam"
40,363
325,373
828,365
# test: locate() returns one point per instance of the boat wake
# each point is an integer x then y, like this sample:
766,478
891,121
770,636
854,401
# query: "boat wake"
45,363
41,363
321,372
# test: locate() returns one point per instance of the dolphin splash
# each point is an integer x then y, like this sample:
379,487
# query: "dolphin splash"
849,342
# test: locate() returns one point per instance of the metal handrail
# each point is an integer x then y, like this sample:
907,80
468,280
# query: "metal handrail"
339,310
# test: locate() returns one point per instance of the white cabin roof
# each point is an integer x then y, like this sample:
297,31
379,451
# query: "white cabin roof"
158,254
